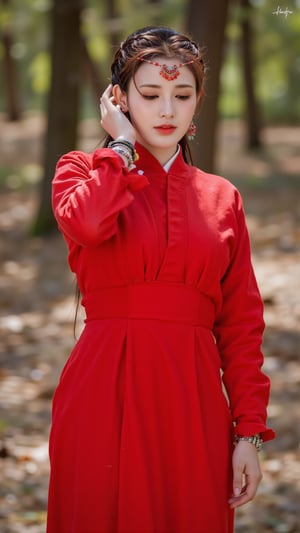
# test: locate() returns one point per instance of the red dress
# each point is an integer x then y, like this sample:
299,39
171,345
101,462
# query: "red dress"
141,438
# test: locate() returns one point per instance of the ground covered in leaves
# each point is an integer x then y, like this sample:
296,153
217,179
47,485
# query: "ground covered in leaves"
37,311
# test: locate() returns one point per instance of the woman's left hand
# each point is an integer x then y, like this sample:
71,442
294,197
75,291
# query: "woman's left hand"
246,473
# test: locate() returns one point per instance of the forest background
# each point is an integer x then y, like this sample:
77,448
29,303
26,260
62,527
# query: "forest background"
54,60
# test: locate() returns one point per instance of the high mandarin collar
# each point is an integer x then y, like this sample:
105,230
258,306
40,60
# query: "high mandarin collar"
152,168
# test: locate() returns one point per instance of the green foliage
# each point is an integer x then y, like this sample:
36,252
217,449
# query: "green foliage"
19,177
279,66
231,101
39,71
27,22
276,49
276,53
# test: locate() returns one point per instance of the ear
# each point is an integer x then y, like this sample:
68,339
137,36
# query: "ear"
120,98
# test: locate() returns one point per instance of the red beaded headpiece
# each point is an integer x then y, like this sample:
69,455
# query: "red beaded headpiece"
169,72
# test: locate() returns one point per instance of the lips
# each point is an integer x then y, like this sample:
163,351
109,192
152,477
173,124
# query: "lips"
165,129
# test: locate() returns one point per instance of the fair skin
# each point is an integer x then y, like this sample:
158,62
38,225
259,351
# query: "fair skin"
161,111
246,474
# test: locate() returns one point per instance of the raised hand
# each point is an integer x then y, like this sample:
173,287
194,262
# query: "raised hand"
113,119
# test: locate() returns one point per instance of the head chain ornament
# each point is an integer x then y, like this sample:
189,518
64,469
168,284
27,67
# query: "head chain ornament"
168,72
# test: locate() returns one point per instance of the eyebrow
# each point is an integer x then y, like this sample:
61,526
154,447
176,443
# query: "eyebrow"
180,86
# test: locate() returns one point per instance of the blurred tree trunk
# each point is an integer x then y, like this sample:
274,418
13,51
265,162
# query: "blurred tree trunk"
63,104
252,113
113,23
91,71
206,22
9,72
156,7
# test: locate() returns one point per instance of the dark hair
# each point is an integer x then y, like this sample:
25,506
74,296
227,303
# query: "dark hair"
154,42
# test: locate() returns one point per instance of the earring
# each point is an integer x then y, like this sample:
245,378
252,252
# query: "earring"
191,132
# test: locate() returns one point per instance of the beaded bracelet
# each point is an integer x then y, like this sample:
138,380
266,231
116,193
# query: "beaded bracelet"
124,144
125,154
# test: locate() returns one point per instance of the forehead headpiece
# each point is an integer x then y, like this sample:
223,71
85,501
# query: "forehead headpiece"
168,72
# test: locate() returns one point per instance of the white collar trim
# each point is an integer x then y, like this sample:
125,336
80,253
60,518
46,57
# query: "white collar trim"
169,163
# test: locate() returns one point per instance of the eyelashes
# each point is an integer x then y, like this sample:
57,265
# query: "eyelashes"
149,97
155,96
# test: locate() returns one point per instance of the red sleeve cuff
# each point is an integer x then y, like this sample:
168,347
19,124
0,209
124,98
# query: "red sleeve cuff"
134,180
246,430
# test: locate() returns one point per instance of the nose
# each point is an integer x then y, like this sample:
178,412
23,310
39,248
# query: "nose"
167,110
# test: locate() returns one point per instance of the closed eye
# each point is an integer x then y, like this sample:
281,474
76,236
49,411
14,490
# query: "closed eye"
154,96
149,96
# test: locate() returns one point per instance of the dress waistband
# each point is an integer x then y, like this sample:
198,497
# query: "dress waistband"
153,301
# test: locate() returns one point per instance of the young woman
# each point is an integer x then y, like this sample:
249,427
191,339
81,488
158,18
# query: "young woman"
143,438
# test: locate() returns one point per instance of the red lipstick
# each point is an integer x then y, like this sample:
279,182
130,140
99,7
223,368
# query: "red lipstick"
165,129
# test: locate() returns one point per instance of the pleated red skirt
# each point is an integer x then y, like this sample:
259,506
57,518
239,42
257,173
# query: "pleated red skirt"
141,433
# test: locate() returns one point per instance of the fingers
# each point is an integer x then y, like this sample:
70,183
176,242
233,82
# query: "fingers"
107,106
113,120
106,94
237,481
108,103
246,493
246,474
105,98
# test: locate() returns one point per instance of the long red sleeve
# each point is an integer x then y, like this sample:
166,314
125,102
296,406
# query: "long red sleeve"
238,330
89,193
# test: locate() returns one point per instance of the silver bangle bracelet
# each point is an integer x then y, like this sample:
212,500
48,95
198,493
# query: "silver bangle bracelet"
126,156
253,439
122,144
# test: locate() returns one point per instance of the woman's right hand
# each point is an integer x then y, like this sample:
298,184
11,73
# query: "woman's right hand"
113,120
